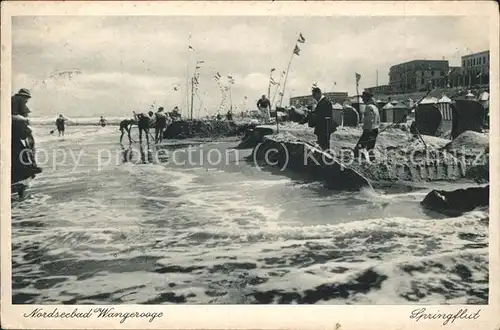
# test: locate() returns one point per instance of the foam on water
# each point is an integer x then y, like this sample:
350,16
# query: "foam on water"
154,233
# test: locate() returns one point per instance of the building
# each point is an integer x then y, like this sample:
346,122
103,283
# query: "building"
415,76
379,90
476,68
455,76
335,97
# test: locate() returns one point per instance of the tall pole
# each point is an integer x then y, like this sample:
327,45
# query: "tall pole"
269,85
377,79
230,99
192,96
187,72
277,88
286,77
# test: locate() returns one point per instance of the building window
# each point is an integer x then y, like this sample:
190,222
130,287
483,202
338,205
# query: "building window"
432,73
422,81
484,60
442,73
463,63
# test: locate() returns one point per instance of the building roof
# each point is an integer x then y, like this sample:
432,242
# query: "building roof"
388,106
429,100
444,99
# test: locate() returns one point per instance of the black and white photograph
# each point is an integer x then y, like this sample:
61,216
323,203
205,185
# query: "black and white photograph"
239,159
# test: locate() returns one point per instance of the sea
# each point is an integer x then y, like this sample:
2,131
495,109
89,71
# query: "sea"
198,222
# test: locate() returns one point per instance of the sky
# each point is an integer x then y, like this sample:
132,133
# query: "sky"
122,64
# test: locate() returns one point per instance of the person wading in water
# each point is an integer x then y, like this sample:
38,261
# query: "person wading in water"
125,126
60,123
160,125
143,123
371,123
102,121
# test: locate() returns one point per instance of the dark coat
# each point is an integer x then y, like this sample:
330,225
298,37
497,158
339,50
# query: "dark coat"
323,110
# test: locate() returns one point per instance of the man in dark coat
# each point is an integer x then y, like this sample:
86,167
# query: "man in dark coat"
23,162
323,124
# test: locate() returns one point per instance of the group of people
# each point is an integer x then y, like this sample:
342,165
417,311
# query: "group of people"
144,121
23,161
324,124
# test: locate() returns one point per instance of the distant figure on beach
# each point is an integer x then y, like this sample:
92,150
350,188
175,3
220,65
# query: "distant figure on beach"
102,121
264,106
125,126
175,114
371,123
229,115
218,117
60,124
323,124
143,123
160,125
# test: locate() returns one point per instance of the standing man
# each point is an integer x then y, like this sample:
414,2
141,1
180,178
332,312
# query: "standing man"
323,124
160,125
60,123
371,123
143,122
264,105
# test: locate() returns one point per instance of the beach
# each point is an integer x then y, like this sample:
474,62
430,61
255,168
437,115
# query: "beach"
103,230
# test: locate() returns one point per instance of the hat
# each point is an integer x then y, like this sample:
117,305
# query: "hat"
24,92
316,90
160,109
366,94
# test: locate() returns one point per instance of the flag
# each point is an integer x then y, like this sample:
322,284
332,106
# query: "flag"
478,75
283,73
335,83
190,47
272,81
200,62
358,77
273,69
301,39
230,79
296,50
176,89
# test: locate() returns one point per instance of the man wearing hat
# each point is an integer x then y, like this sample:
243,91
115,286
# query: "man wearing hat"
322,121
19,101
371,123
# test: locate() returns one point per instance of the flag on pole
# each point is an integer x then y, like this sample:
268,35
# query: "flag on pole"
296,50
200,62
283,73
272,70
301,38
230,79
175,88
358,77
190,47
272,81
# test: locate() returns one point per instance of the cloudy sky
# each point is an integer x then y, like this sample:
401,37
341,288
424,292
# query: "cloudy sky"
129,62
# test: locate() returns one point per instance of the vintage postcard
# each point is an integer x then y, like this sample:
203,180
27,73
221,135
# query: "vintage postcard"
183,165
